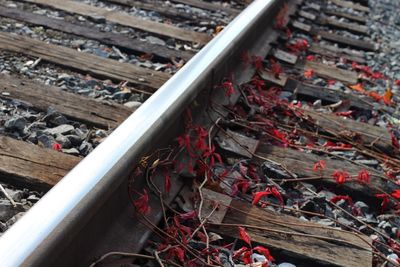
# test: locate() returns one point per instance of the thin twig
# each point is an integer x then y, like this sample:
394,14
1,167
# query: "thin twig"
8,196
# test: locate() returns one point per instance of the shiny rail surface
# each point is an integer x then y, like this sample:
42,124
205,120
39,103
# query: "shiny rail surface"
49,227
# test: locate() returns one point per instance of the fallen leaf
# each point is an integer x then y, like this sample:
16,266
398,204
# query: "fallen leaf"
259,195
363,176
244,235
265,252
375,96
396,193
387,97
319,166
341,177
358,87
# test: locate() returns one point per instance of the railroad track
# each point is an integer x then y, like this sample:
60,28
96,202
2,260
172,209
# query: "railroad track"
253,158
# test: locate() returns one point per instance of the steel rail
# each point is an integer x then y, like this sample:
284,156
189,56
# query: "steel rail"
82,192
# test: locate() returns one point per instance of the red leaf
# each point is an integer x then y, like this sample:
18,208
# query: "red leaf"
385,201
243,186
387,97
299,46
184,142
280,135
278,195
178,252
167,183
258,195
275,68
363,176
375,96
265,252
244,235
228,87
396,193
258,62
310,58
142,203
247,257
319,166
57,147
341,177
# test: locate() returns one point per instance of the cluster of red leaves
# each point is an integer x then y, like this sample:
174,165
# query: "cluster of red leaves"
176,230
281,136
299,46
248,175
194,141
268,191
209,153
258,83
228,87
368,72
265,99
245,252
342,176
386,97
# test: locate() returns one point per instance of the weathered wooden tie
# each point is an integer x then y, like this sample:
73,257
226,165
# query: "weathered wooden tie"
125,19
309,241
156,7
87,63
207,6
333,51
334,23
333,37
108,38
349,4
26,164
73,106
